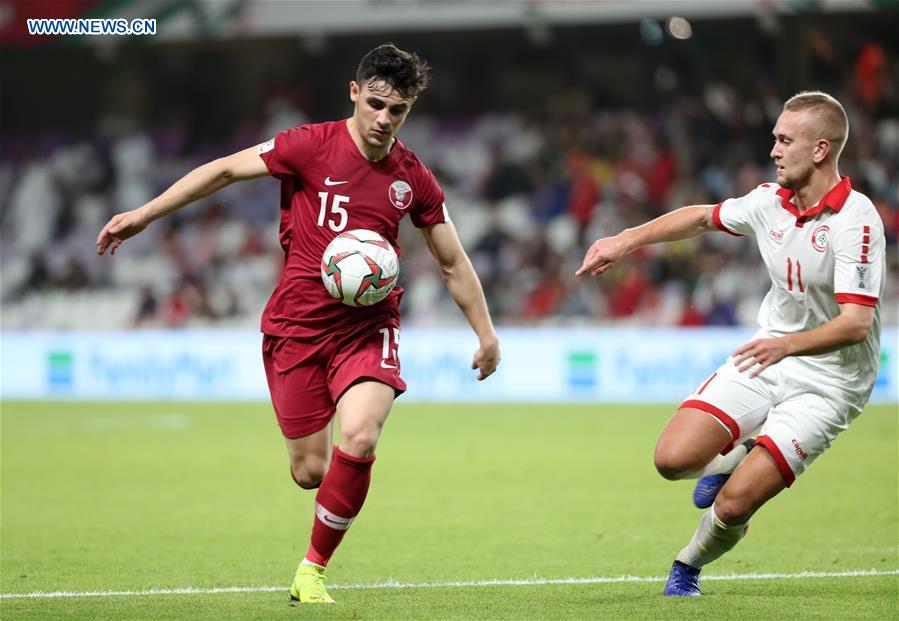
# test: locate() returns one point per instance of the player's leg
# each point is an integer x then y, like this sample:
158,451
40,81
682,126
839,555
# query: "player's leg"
364,381
309,457
694,445
690,441
786,447
362,411
708,438
755,481
711,433
308,464
304,408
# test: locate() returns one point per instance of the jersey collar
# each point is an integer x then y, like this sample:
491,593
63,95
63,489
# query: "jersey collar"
833,200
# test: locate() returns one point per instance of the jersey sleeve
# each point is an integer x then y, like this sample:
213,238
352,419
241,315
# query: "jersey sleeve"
737,216
859,261
287,153
430,204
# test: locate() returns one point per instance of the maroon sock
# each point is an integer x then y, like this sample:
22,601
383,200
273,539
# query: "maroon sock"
338,502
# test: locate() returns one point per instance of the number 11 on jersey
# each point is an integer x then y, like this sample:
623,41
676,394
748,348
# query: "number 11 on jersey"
798,275
335,211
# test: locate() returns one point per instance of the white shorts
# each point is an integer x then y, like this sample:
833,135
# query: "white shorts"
795,411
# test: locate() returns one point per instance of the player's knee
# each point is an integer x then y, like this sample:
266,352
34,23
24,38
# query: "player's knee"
670,464
360,442
733,509
667,471
306,475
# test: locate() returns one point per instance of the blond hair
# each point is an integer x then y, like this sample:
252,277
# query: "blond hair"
834,124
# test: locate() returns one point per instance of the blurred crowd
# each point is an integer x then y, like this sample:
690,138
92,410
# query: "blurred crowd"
528,194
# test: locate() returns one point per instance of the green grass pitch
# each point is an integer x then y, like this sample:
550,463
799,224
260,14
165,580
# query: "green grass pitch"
135,496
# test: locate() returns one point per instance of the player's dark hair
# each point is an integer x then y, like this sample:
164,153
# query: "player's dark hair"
405,71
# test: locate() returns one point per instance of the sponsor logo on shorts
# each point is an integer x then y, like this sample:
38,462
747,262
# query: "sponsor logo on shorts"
387,365
400,194
799,450
819,238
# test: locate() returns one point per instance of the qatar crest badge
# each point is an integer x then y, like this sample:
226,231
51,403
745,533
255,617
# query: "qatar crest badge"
400,194
820,237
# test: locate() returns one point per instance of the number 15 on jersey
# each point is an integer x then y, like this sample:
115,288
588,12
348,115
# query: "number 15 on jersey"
336,216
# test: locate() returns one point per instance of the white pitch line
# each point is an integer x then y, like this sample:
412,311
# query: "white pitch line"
391,584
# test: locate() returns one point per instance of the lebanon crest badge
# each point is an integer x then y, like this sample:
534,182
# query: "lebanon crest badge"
400,194
819,238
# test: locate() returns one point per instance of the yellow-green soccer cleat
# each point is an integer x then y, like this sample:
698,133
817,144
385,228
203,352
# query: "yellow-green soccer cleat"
309,585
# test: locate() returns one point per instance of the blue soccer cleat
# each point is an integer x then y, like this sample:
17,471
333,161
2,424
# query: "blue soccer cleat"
707,489
683,581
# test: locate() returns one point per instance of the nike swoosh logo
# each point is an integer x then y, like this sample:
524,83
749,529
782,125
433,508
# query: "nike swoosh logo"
384,365
329,519
340,522
328,181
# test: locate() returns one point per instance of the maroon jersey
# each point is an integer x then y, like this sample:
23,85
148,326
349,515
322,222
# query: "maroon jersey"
328,187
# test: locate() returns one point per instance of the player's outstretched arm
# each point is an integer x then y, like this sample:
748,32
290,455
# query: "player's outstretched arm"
465,287
196,184
682,223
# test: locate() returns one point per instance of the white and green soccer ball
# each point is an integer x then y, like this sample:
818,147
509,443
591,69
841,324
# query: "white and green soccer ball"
360,267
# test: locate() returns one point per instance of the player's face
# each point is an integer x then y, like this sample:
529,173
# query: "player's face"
793,151
380,111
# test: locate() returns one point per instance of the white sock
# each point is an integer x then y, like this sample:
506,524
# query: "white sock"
711,540
306,561
722,464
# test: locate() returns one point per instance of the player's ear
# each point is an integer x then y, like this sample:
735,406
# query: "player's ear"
354,91
821,150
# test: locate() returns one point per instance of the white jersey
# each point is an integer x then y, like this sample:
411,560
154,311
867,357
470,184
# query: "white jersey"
832,254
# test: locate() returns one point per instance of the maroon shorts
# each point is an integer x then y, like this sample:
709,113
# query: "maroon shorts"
306,377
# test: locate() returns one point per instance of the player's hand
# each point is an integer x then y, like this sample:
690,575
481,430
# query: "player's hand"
119,228
486,359
602,255
760,353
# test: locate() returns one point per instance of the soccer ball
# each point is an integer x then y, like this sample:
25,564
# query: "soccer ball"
360,267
